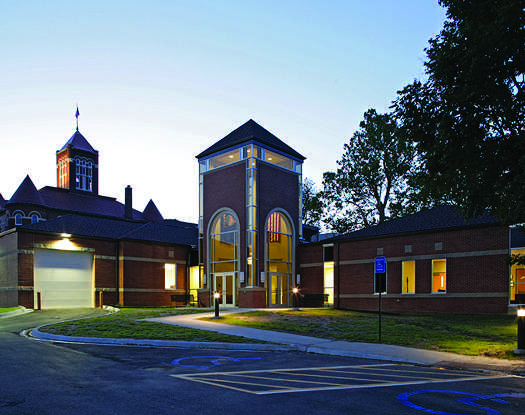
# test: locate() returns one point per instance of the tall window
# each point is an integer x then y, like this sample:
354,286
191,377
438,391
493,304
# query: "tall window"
62,173
84,174
408,272
18,219
517,280
223,243
250,153
170,276
439,275
328,261
279,243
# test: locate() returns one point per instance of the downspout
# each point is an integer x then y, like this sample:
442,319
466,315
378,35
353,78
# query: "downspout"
338,278
117,272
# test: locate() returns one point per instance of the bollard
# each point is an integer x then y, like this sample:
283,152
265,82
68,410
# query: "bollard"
38,301
217,296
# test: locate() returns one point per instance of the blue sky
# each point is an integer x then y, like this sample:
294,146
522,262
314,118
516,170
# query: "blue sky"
157,82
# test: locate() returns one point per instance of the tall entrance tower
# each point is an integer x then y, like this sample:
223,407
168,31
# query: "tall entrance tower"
250,218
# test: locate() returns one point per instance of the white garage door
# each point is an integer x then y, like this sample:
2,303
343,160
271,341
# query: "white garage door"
64,278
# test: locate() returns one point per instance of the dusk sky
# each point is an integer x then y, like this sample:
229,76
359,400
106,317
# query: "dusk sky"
157,82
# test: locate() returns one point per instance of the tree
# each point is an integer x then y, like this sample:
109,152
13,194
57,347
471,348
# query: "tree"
371,183
312,204
468,118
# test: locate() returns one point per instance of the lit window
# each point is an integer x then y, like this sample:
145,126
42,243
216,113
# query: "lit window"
439,275
278,159
408,272
170,276
18,219
224,159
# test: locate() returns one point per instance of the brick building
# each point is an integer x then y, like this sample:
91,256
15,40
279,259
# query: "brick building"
68,246
435,262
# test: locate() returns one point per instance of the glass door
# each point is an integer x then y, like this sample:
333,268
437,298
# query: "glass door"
224,284
279,289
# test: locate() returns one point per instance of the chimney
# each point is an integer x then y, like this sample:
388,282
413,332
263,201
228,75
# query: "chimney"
128,206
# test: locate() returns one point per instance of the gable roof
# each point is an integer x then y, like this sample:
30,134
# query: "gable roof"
2,201
249,131
151,212
166,231
26,193
79,142
435,219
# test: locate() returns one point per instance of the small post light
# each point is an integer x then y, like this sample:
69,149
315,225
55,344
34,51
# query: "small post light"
217,295
521,332
295,291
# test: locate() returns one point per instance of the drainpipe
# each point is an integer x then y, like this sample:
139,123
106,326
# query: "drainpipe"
338,278
117,272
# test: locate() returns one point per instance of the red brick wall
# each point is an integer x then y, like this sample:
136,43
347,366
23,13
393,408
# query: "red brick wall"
477,281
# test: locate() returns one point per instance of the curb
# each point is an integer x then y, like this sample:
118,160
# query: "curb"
21,310
38,335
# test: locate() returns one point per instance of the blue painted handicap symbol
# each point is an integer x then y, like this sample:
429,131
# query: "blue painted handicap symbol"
469,399
207,362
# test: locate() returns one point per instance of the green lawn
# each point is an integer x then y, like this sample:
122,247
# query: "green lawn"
6,310
127,324
476,335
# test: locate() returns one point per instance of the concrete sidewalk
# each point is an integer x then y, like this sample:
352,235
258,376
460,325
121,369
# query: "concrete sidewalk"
350,349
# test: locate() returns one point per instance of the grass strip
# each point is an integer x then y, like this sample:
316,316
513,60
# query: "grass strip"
473,335
8,309
127,324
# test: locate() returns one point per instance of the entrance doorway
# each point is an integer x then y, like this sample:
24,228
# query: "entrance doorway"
279,285
224,284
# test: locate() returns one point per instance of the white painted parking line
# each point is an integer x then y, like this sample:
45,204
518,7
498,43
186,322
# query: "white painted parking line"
263,382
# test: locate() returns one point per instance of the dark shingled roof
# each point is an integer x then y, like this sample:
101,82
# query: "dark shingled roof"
151,212
79,142
247,132
27,193
2,201
167,231
64,199
435,219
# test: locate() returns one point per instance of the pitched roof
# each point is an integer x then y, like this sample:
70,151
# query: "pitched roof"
82,225
249,131
166,231
151,212
435,219
79,142
26,193
2,201
63,199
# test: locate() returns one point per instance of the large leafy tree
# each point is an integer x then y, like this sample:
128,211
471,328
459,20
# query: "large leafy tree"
312,204
371,183
467,119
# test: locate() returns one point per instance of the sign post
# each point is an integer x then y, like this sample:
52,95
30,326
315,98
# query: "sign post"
380,282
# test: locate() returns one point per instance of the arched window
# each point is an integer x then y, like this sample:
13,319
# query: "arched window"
223,248
224,243
279,258
18,219
34,218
